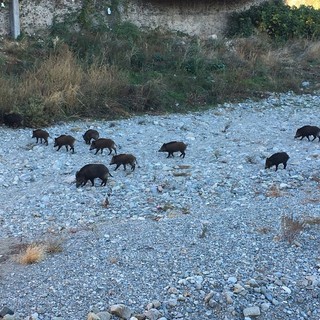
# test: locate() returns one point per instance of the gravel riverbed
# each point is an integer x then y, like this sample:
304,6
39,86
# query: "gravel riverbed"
198,237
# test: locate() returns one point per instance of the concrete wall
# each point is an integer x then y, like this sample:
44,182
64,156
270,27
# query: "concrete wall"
204,18
200,18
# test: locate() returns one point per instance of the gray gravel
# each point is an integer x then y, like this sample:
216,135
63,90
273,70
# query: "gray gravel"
192,238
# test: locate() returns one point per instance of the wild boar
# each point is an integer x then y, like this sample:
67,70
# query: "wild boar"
124,159
90,172
102,143
64,140
40,134
276,159
307,131
90,134
174,146
13,120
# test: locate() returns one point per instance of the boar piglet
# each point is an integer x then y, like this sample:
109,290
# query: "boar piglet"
13,120
40,134
64,140
174,146
90,134
307,131
124,159
102,143
90,172
276,159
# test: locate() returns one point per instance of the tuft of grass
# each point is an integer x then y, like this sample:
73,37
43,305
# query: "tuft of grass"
311,220
273,192
32,254
53,246
291,228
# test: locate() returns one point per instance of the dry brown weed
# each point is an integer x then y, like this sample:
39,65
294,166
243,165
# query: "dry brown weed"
33,254
291,228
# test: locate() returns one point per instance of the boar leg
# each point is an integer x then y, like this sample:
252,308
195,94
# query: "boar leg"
117,166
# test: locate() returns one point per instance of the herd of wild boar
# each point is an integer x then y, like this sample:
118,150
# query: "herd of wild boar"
94,170
92,138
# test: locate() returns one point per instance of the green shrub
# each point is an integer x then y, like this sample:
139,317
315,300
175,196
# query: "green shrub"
277,20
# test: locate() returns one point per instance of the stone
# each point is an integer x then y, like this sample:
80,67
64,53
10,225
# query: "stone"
238,288
265,306
286,289
228,296
93,316
104,315
121,310
5,310
152,314
11,317
251,311
232,280
172,302
253,283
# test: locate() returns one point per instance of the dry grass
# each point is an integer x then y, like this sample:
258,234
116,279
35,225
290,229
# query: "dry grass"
32,254
53,246
291,228
311,220
264,230
29,253
312,51
113,260
274,192
59,84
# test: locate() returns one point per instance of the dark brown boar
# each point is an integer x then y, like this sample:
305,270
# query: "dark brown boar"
13,120
174,146
307,131
276,159
90,134
102,143
90,172
40,134
65,140
124,159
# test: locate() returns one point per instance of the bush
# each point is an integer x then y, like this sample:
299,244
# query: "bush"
278,20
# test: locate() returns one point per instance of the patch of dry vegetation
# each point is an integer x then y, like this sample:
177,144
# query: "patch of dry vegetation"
30,253
292,227
274,192
115,74
33,254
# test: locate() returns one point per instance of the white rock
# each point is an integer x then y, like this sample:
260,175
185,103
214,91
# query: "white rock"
251,311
